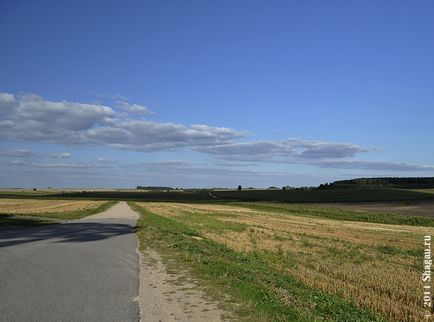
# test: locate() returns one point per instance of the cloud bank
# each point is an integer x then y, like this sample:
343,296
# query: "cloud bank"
63,155
17,153
289,150
32,118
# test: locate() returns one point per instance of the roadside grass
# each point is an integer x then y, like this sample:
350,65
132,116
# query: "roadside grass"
257,280
17,220
27,218
339,214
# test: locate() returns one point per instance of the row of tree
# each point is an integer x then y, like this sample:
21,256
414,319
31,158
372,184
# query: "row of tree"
388,182
154,188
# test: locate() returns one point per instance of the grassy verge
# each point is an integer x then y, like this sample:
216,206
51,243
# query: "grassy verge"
261,293
339,214
44,218
19,220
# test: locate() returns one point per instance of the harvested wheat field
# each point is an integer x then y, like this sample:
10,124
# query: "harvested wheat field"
27,206
375,265
55,209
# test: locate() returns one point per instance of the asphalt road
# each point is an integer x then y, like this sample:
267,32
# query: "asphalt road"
83,270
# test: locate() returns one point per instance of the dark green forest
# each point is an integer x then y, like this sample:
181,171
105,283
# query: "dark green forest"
388,182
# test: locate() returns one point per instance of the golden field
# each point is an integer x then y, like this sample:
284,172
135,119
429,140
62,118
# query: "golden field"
46,207
378,266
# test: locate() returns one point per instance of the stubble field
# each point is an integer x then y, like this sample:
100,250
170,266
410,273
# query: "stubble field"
38,211
364,270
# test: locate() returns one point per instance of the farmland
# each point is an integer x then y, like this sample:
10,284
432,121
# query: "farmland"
31,211
283,262
215,195
266,260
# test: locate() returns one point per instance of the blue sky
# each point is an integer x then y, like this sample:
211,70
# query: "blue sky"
214,93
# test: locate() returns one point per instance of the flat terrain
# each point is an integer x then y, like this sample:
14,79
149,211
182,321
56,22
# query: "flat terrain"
82,270
204,195
297,263
421,208
261,261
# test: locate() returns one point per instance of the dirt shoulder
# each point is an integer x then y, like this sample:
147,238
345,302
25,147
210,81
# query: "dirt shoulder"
172,295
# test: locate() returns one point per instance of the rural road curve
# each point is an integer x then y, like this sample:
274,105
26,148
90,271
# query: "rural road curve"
82,270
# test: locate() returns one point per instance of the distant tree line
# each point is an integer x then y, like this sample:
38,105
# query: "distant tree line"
154,188
388,182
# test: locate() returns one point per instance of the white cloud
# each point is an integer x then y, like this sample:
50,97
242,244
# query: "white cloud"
17,153
63,165
374,165
291,150
134,108
181,168
323,150
7,98
32,118
63,155
156,136
19,162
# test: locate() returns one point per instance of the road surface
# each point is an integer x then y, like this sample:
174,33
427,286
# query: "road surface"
83,270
